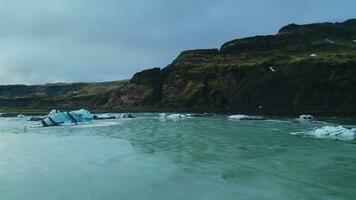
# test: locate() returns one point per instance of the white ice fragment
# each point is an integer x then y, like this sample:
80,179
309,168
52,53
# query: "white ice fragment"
313,55
238,117
332,132
306,118
174,117
23,117
245,117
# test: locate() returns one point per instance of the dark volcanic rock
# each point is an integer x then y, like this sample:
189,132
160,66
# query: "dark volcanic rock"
150,77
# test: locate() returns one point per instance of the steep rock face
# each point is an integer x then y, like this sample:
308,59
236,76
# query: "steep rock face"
144,89
150,83
199,79
269,74
310,85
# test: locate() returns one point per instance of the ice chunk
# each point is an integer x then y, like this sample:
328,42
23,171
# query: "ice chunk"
245,117
303,118
37,118
174,117
313,55
330,132
105,116
21,116
81,115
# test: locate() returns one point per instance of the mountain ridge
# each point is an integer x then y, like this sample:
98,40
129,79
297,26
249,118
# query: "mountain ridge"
310,65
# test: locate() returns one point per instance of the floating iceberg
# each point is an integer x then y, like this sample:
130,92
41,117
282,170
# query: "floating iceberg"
82,118
57,118
330,132
245,117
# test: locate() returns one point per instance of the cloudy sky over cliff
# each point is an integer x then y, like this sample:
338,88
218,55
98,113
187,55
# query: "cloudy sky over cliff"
96,40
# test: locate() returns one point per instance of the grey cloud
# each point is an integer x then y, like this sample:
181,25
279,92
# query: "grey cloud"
98,40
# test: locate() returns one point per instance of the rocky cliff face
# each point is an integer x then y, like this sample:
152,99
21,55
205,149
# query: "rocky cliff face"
302,69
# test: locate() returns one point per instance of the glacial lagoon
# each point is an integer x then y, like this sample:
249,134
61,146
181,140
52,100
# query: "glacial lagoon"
189,157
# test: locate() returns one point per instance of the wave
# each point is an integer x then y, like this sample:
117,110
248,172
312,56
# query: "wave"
330,132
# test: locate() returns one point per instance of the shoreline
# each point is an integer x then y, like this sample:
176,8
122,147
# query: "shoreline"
11,112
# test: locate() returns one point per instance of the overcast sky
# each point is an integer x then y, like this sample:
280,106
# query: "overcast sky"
45,41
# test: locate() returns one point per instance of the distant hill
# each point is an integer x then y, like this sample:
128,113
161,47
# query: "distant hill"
302,69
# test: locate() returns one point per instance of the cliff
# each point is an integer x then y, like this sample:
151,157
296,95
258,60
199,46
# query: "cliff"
302,69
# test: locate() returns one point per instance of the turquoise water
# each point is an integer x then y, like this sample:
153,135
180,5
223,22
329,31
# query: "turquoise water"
193,158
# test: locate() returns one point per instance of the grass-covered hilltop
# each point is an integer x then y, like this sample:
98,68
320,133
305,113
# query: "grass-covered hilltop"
301,69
